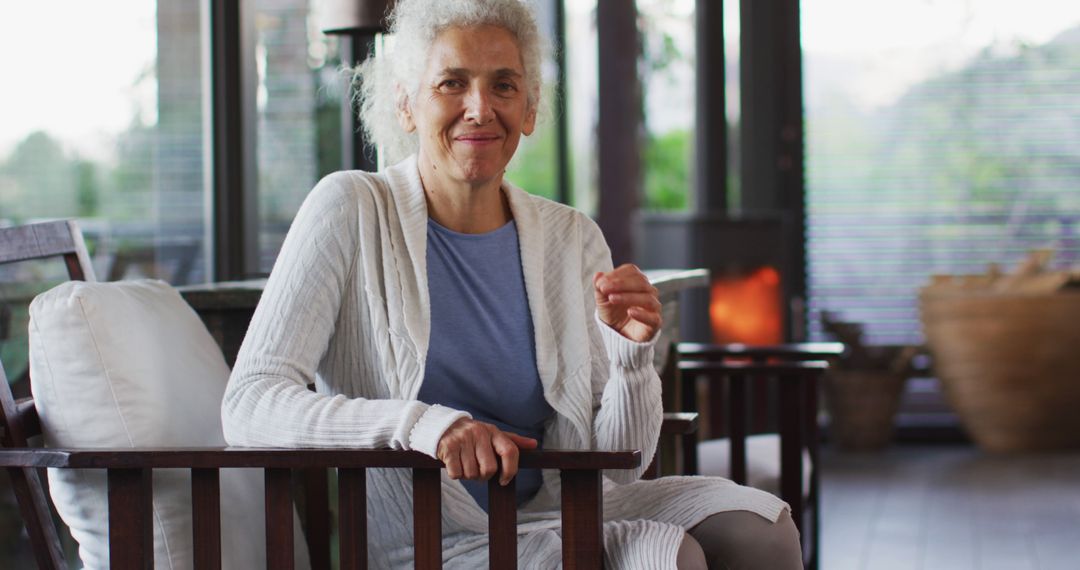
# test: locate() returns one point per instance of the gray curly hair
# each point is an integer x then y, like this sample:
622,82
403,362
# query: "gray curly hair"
414,25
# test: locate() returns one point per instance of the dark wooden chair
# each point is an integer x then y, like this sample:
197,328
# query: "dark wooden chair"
742,382
129,477
25,243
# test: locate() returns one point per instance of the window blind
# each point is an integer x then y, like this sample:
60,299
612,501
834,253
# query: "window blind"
974,165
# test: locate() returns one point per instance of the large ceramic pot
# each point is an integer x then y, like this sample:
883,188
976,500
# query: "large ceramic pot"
1009,364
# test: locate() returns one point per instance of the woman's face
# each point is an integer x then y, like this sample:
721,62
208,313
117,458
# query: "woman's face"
472,105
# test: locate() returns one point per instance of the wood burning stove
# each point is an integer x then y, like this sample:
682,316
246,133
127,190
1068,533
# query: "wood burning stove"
750,297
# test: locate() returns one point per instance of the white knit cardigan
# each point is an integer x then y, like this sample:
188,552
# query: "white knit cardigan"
347,307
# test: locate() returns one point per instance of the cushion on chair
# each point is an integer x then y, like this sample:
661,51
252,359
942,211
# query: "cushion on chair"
130,364
762,461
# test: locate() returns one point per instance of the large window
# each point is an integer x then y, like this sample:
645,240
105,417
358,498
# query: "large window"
298,98
101,120
941,137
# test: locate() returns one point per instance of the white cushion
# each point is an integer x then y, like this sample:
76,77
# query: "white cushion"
130,364
762,461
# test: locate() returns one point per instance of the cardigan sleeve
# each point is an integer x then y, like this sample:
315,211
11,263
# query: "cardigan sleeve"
627,405
267,402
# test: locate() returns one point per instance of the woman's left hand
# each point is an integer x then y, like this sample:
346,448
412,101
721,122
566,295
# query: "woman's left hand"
627,302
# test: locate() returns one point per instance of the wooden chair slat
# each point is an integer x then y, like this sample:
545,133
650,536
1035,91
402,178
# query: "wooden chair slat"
813,445
582,520
206,518
14,433
279,519
690,444
317,515
131,527
427,519
352,519
35,241
791,445
28,488
27,417
502,524
60,238
737,426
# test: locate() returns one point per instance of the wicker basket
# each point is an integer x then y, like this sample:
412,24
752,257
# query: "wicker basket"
862,405
1009,364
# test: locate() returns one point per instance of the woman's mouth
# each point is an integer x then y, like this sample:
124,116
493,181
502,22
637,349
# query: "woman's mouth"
477,138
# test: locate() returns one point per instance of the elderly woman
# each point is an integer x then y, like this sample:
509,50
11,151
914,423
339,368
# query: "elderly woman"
439,308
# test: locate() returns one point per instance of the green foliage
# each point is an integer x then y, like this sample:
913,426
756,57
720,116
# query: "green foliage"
535,166
87,188
667,170
41,176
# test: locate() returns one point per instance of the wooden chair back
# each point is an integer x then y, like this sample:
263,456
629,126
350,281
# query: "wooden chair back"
737,371
19,418
48,239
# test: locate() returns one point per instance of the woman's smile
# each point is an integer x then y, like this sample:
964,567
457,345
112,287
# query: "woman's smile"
478,139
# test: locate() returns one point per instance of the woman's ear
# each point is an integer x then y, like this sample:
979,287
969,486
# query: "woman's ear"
404,113
530,121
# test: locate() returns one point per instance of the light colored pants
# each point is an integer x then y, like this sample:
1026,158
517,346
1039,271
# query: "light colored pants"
741,540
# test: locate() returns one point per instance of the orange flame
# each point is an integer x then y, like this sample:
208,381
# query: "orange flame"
747,308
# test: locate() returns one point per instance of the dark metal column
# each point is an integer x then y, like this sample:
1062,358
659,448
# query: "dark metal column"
710,129
357,22
235,212
619,133
772,125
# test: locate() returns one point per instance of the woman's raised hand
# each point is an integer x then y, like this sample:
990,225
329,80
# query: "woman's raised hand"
627,302
468,449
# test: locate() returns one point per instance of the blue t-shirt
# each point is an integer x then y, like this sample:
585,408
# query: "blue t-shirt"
482,356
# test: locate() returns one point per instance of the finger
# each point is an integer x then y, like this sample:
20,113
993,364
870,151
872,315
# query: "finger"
453,465
628,271
643,300
638,283
469,468
485,458
508,454
521,441
600,296
646,317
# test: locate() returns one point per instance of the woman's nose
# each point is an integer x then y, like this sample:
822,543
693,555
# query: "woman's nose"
478,107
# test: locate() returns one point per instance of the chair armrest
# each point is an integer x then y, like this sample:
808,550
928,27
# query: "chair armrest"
679,423
789,351
800,368
290,458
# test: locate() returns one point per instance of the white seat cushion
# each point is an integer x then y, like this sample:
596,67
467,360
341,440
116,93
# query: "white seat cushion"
130,364
762,461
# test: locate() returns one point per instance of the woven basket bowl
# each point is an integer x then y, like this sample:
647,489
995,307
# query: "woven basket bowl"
862,405
1009,364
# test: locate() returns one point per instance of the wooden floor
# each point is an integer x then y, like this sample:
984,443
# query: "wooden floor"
950,508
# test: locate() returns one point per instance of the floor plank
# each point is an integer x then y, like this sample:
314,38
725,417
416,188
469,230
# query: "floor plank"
950,508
